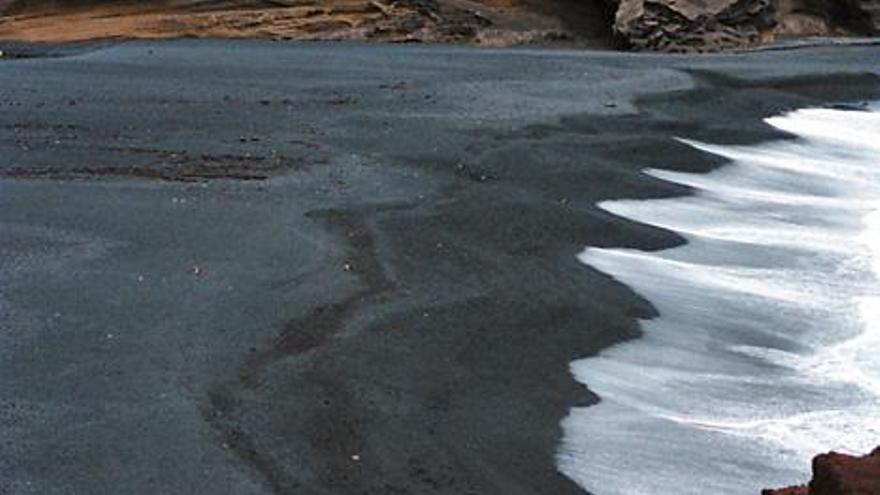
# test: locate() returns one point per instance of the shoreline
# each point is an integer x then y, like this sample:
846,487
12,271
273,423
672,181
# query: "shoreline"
430,187
14,48
718,328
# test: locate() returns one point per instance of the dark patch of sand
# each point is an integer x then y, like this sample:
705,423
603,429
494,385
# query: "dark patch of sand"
399,319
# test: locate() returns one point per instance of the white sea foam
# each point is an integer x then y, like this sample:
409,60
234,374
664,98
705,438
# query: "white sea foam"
766,348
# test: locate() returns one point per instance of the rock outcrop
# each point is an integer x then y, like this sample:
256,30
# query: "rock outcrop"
706,25
824,17
488,22
666,25
77,20
864,15
840,474
686,25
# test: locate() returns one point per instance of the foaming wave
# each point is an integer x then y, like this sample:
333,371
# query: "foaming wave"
764,352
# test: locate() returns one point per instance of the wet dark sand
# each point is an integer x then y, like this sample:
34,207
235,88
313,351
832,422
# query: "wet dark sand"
240,267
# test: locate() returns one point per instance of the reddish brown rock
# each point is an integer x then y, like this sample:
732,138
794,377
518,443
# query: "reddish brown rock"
487,22
668,25
792,490
840,474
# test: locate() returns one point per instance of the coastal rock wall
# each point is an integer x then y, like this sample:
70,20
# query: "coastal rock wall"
814,17
486,22
865,14
685,25
77,20
666,25
707,25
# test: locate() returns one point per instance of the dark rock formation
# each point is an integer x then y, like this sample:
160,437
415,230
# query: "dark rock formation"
688,25
861,15
840,474
707,25
666,25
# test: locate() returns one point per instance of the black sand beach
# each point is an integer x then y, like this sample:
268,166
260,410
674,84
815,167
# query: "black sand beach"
247,267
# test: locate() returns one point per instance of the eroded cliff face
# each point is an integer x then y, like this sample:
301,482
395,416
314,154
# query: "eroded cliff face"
76,20
840,474
685,25
862,14
487,22
706,25
668,25
828,17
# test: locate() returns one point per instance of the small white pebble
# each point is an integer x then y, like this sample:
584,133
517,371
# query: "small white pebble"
355,457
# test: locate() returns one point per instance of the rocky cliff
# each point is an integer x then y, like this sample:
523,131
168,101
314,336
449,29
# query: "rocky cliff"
684,25
488,22
840,474
867,14
670,25
704,25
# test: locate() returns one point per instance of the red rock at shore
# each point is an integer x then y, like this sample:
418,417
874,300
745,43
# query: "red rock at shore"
792,490
840,474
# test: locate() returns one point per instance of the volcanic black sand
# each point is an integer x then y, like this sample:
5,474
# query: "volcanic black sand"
242,268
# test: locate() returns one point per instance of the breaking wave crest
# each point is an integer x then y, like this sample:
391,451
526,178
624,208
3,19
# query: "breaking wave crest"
765,350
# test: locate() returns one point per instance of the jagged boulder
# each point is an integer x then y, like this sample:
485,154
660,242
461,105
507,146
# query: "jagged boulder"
689,25
840,474
708,25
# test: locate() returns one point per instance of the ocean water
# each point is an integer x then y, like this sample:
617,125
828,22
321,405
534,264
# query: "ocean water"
766,350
